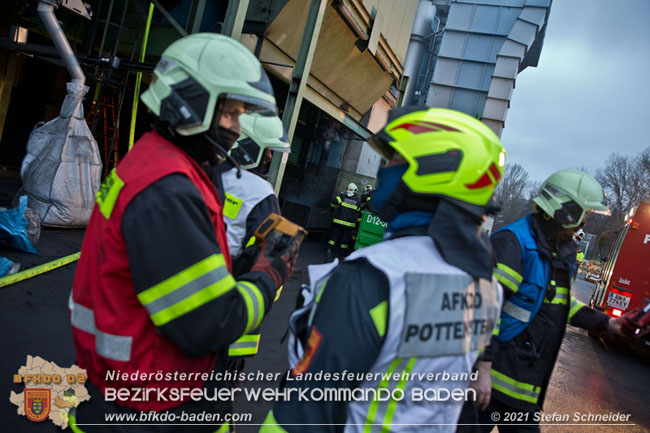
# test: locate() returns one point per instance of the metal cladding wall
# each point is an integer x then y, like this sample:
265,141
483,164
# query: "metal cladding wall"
486,43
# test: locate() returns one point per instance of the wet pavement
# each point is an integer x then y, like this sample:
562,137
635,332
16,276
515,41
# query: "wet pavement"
597,377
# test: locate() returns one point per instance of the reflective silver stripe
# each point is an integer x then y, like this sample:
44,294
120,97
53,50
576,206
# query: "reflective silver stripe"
507,276
256,306
516,312
343,223
514,388
81,317
115,347
187,290
243,345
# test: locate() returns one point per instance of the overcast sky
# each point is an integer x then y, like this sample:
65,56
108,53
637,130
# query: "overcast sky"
590,94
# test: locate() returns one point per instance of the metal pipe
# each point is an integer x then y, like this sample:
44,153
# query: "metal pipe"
46,13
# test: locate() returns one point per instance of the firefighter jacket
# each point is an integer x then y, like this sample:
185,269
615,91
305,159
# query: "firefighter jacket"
533,273
346,210
366,203
397,325
528,289
154,265
248,200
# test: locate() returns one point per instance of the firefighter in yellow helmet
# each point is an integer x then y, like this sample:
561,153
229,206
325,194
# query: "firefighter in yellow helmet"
408,305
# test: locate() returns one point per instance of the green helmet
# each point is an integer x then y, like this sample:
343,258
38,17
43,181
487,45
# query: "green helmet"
197,70
450,155
258,134
567,195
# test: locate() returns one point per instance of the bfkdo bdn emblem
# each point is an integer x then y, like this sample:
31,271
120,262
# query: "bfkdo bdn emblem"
37,404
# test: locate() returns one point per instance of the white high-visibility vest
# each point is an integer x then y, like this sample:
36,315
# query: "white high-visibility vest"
242,195
439,316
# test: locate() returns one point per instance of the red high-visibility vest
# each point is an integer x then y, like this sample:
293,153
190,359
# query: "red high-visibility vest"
112,330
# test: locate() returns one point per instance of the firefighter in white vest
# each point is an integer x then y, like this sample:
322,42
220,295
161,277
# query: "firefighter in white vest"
247,200
412,312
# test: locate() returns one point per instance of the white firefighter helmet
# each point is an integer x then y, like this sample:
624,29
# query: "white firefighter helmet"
352,190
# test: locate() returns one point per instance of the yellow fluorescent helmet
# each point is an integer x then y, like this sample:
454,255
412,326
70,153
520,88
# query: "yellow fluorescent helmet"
449,153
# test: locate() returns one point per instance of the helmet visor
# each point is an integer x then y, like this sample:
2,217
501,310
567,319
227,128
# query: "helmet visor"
254,105
283,145
571,214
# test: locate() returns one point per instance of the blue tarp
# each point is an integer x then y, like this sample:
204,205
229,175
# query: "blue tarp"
5,266
13,227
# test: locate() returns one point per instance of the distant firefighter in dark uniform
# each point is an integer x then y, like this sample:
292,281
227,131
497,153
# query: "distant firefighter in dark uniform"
366,204
344,222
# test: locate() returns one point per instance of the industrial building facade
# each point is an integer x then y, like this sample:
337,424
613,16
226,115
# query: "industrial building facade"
466,54
337,67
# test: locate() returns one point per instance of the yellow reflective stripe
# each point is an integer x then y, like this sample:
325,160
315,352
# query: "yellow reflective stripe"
344,223
372,412
508,270
349,206
561,296
513,388
496,329
331,242
271,425
507,276
107,194
322,290
338,199
72,423
250,242
245,345
185,276
225,428
575,306
277,294
513,394
187,290
231,206
379,314
254,304
505,281
388,419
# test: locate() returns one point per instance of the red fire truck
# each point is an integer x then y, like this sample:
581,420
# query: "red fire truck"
625,280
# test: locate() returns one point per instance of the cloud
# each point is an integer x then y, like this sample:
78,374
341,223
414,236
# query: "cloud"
589,96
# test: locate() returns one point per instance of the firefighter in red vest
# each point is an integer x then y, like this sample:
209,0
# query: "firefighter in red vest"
154,305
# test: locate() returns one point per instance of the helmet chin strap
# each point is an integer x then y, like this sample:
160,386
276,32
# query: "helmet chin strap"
223,152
